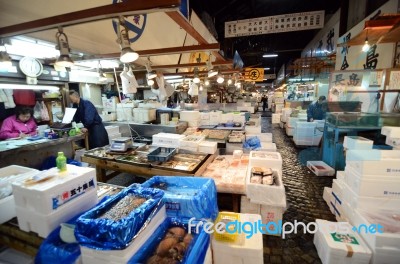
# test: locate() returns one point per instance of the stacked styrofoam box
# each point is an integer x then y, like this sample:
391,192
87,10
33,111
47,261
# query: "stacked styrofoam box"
189,116
43,206
342,246
124,112
285,114
251,251
209,147
252,129
154,105
215,118
267,146
94,256
264,137
247,207
143,115
380,229
392,136
113,132
204,119
239,117
11,174
227,117
278,107
167,140
190,143
355,142
276,118
305,134
250,109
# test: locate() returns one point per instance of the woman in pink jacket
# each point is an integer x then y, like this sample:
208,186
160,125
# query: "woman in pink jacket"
19,125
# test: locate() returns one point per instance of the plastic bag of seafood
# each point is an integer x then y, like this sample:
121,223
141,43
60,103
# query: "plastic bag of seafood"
187,196
116,222
174,243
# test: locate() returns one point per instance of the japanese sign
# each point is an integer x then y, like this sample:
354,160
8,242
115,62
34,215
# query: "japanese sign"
254,74
394,81
275,24
72,193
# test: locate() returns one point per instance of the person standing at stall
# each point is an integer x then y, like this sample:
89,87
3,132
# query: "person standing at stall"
92,122
21,124
264,102
316,110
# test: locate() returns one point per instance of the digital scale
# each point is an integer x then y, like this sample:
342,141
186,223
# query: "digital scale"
121,144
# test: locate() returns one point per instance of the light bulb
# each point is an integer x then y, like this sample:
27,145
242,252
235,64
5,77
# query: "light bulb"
196,79
229,81
207,82
366,46
220,79
150,82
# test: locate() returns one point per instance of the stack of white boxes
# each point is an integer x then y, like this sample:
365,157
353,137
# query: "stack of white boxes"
113,132
392,136
368,193
50,198
167,140
192,117
144,115
267,200
278,104
191,143
276,118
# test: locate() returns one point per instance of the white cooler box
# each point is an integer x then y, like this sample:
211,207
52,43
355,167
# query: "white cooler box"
43,225
372,185
189,116
51,195
385,256
340,247
191,142
355,142
271,214
167,140
247,207
264,137
11,174
93,256
209,147
266,159
250,252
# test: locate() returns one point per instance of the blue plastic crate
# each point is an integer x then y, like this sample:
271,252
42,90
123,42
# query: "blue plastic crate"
161,154
187,197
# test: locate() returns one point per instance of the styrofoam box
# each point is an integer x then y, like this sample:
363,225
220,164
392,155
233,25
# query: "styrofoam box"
289,130
395,142
286,113
231,147
12,256
208,258
264,137
112,129
273,195
356,142
209,147
190,141
374,167
267,159
189,116
43,225
367,202
271,214
307,141
373,155
320,168
193,123
250,252
150,105
204,122
267,146
114,136
378,240
141,115
281,124
13,173
205,116
385,256
93,256
167,139
337,189
340,176
239,118
247,207
371,185
326,195
215,117
334,249
389,131
253,129
52,195
227,117
276,118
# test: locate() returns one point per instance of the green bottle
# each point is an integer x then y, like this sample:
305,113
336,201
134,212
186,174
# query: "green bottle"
61,161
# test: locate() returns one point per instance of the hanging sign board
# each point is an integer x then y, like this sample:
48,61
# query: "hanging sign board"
269,76
254,74
275,24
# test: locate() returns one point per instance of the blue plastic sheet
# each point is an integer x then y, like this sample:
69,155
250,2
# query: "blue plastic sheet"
195,253
103,234
187,197
252,143
54,250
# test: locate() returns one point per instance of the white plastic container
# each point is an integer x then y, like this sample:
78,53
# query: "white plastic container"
55,193
289,130
340,247
385,256
375,167
267,146
264,137
112,129
337,189
209,147
372,185
250,252
386,219
327,194
355,142
340,176
265,159
320,168
189,116
273,195
190,141
253,129
389,131
11,174
143,115
93,256
43,225
276,118
387,156
167,139
271,214
215,118
247,207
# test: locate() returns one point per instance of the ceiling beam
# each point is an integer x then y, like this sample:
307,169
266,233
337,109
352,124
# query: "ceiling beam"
191,65
183,23
160,52
202,72
126,8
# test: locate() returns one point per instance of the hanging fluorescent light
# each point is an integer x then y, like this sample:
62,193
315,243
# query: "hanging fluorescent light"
127,53
211,72
64,59
366,46
151,74
267,69
272,55
28,87
220,79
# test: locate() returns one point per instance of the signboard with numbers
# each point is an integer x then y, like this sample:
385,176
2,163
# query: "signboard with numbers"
275,24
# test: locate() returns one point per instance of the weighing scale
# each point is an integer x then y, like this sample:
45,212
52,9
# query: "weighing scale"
121,144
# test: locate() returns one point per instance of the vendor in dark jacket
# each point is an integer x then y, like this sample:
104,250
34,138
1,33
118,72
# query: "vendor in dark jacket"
87,114
317,110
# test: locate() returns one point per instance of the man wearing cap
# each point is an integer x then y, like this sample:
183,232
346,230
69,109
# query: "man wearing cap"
317,109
